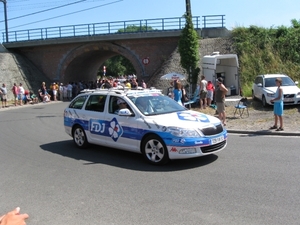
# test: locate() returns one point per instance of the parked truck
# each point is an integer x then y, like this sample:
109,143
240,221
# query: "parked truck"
225,66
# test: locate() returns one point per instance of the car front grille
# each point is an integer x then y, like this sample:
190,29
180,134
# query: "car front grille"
289,96
212,130
213,148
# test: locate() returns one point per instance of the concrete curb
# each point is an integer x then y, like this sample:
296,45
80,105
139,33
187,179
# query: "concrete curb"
263,132
12,106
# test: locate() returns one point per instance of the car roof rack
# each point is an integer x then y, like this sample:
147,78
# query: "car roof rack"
123,90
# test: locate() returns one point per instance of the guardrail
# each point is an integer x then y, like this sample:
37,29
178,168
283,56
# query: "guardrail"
130,26
213,21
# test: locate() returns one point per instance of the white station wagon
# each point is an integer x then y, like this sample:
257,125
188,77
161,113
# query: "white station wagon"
264,89
142,121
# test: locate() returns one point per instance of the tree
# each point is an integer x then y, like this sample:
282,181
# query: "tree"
134,28
188,48
117,65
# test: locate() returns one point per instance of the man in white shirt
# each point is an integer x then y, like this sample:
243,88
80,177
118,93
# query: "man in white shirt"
69,91
21,93
203,92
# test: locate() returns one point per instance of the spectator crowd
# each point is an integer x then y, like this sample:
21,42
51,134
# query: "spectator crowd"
63,92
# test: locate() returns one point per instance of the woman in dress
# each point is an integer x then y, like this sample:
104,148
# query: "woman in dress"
278,106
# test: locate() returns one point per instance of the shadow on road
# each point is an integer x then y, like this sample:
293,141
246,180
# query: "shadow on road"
123,159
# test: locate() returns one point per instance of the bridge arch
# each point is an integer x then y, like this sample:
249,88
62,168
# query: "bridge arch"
83,62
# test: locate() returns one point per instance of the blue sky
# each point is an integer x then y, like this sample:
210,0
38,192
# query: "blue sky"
263,13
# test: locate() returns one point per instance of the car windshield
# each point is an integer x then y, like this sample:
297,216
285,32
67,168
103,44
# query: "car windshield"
286,81
156,104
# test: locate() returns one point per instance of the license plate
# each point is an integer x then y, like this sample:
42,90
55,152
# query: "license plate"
288,100
217,140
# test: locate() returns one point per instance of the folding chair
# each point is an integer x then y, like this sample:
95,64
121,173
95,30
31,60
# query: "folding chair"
241,107
194,98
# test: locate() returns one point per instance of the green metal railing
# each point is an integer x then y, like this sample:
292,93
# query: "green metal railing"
130,26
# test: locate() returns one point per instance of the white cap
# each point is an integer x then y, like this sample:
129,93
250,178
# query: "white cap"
120,101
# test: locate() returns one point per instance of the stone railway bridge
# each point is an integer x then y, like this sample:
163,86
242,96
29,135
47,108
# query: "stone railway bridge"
79,58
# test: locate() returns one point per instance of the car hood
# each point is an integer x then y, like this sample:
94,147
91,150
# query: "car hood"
184,119
286,89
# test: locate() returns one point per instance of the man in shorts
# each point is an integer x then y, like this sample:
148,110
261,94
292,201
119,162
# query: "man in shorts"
15,93
203,92
3,92
221,90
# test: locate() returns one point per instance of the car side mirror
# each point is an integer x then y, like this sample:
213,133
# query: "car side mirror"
259,85
296,82
125,112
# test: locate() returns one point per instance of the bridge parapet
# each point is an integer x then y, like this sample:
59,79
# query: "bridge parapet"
106,28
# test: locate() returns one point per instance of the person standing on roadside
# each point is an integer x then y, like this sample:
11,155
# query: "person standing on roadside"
21,93
177,93
221,90
203,92
61,91
15,93
54,91
210,92
278,106
3,91
69,91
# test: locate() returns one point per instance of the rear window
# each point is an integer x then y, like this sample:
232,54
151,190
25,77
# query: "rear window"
78,102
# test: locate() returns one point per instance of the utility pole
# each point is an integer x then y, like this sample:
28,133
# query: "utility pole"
5,18
188,7
189,13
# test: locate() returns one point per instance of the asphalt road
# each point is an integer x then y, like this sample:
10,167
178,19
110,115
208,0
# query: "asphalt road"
255,180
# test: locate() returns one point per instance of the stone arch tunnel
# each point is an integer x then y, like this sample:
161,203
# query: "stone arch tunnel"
83,62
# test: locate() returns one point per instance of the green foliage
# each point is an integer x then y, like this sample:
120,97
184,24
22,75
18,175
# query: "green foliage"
134,28
267,50
188,48
116,66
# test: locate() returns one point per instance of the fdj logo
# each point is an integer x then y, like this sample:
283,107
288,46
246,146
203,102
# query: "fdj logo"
110,129
97,127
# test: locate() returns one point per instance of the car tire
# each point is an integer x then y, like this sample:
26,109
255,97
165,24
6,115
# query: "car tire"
79,137
264,101
154,150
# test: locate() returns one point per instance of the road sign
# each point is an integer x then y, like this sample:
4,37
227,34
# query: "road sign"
146,61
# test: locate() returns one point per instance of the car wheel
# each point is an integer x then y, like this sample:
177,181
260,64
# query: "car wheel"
79,137
155,150
264,101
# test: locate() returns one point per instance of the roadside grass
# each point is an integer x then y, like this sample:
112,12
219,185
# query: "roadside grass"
258,114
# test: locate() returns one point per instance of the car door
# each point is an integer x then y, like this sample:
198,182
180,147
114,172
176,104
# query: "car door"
122,130
75,115
95,109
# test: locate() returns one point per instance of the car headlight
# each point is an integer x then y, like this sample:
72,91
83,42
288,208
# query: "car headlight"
183,132
271,95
